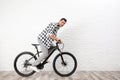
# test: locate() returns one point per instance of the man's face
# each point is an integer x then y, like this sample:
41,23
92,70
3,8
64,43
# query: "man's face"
61,23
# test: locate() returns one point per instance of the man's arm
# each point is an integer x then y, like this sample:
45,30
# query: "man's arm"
50,34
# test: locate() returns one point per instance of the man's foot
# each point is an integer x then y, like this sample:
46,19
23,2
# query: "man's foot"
34,68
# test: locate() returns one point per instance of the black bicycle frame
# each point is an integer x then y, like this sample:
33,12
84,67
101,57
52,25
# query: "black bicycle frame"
51,51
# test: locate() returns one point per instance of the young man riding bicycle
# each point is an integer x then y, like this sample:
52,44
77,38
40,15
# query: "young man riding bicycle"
46,38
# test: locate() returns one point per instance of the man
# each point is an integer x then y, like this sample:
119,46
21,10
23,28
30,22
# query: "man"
45,39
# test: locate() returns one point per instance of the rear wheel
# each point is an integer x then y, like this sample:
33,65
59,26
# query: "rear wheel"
22,62
67,67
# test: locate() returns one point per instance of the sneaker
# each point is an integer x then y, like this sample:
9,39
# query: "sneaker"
34,68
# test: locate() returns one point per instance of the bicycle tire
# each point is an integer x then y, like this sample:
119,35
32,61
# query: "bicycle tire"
15,64
75,64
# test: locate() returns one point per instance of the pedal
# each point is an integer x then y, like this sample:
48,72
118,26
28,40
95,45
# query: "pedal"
40,66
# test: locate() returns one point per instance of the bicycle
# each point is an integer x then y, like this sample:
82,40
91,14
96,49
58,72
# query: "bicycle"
64,63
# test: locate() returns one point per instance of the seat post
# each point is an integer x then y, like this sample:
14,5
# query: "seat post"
37,50
35,45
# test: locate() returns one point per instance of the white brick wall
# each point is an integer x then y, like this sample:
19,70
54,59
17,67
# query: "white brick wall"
91,33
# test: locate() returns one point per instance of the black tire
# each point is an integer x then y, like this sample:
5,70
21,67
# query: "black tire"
16,67
56,61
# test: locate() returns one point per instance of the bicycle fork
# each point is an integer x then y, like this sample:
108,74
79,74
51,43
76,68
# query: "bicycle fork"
63,61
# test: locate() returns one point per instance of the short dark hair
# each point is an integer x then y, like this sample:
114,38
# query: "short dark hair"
63,19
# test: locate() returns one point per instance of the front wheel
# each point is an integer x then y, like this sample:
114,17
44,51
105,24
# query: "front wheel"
65,67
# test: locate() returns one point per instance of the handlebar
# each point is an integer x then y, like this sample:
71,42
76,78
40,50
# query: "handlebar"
60,43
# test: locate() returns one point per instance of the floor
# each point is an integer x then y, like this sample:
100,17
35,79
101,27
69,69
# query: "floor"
81,75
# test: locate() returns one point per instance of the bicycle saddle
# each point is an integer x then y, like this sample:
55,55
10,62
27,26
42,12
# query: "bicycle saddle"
35,44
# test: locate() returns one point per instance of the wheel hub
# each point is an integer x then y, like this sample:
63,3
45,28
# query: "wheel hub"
26,63
64,63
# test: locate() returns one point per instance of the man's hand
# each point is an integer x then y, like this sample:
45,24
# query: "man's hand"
58,40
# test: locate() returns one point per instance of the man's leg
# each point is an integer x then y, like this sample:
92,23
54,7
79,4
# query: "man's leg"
43,56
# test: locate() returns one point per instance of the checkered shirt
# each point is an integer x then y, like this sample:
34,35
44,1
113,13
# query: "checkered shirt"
52,28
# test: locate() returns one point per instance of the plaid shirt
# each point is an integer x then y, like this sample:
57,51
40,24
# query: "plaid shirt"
52,28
